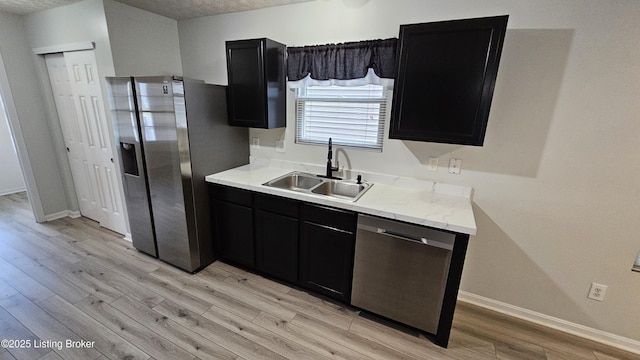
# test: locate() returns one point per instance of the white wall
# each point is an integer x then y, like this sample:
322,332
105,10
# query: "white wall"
28,120
76,23
145,43
142,43
556,183
11,180
79,22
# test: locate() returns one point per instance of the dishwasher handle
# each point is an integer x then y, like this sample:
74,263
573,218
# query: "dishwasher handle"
406,237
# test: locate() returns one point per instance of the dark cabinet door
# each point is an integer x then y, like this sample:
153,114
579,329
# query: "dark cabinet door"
327,242
277,245
445,80
232,216
256,92
234,225
276,225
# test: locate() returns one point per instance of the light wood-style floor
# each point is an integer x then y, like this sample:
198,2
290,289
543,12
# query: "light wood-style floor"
72,280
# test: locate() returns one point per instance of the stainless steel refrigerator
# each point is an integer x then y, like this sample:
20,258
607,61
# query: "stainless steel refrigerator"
170,133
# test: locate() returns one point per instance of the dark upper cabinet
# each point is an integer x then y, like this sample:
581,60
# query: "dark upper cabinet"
446,76
256,71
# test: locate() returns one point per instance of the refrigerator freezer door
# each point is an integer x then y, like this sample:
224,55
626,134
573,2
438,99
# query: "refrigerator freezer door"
131,154
167,161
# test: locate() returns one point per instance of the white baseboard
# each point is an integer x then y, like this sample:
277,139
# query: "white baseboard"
62,214
127,237
11,191
552,322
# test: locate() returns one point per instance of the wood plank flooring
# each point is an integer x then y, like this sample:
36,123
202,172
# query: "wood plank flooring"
72,280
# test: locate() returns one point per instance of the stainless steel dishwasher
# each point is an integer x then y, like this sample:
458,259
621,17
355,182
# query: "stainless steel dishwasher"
400,271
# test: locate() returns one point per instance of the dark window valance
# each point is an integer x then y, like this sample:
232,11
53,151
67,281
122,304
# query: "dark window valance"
344,61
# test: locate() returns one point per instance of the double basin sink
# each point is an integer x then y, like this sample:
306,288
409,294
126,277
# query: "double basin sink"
309,183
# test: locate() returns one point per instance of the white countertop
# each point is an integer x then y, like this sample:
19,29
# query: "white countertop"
426,203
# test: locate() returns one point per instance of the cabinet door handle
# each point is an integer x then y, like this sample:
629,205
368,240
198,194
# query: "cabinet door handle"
331,228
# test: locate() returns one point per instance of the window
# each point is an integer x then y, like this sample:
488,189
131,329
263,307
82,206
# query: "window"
352,116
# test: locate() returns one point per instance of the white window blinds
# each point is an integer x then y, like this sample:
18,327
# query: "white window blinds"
351,116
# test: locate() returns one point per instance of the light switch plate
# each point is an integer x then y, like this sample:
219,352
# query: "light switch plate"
455,166
433,164
255,143
280,146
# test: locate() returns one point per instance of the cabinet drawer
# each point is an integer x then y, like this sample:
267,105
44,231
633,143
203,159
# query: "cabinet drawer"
331,217
230,194
277,205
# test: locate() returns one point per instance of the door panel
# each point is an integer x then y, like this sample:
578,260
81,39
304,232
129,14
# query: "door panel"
72,131
86,88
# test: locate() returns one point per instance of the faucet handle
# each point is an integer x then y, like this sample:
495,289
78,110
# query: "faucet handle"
359,179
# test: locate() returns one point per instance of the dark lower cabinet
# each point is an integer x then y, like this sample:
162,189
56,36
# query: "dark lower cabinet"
327,243
305,244
232,214
276,230
310,245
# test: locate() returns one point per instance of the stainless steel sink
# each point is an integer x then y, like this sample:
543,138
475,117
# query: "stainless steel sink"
295,181
341,188
309,183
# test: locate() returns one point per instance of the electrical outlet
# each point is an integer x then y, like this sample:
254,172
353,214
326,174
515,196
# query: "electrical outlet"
255,143
280,146
454,166
433,164
597,292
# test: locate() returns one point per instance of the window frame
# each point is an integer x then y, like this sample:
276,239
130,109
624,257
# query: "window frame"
302,99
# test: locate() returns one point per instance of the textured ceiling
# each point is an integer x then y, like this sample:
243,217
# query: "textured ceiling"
23,7
175,9
185,9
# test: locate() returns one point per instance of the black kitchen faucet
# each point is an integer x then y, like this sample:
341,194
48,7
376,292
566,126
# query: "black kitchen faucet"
330,167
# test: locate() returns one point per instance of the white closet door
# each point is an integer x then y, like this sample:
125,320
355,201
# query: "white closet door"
75,135
89,108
